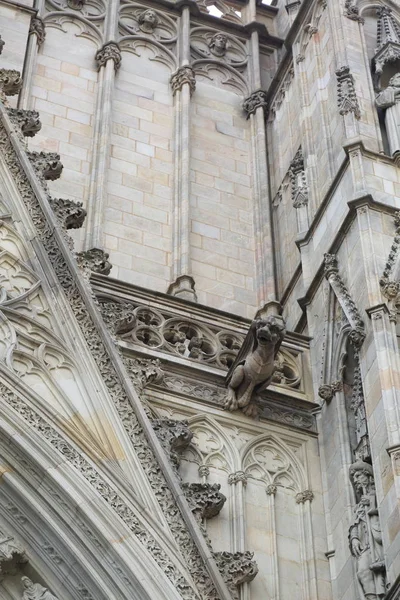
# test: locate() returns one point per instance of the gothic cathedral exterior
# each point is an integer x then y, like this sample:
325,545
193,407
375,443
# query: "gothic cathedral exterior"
199,300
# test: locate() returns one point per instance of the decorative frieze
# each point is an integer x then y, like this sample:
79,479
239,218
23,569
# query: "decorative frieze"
37,27
346,93
256,100
328,390
71,214
236,568
205,499
10,83
306,496
27,121
184,75
47,164
95,260
110,51
331,270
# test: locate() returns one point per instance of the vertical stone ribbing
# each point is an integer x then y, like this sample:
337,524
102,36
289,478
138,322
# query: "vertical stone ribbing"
108,59
265,265
238,481
183,85
35,39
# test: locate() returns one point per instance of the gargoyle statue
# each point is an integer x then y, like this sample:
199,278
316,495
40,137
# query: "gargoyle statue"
255,364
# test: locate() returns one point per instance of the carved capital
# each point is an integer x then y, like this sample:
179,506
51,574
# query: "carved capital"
271,489
10,83
204,471
205,499
184,75
27,120
236,568
234,478
110,51
37,27
71,214
95,260
327,391
305,496
347,97
47,164
174,437
330,264
256,100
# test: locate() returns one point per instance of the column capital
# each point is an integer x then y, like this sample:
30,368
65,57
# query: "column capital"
183,75
110,51
257,99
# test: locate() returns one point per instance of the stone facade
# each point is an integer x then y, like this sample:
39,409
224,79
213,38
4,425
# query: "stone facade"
199,300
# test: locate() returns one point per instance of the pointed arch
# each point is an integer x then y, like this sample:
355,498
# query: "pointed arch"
224,455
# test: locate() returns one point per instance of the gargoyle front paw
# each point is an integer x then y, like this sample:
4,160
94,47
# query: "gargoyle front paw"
231,402
251,410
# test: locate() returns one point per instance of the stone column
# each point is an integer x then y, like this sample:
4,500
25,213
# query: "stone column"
271,490
108,60
183,85
36,38
238,481
255,108
304,499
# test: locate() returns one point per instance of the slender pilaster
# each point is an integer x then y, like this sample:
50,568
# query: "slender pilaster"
304,500
255,107
183,84
271,490
108,59
36,38
238,481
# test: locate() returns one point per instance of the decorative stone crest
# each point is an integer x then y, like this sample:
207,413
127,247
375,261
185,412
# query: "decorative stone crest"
10,83
71,214
47,164
184,75
148,21
331,270
347,97
205,499
95,260
306,496
12,555
236,568
35,591
365,536
37,27
110,51
27,120
328,390
234,478
174,437
256,100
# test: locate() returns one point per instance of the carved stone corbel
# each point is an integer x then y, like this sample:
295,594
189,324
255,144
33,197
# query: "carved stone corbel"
257,99
95,260
183,75
236,568
110,51
71,214
47,164
27,121
346,91
351,11
37,27
174,437
271,489
327,391
205,499
10,83
306,496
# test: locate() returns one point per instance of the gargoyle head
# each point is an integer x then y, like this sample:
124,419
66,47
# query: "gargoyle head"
270,330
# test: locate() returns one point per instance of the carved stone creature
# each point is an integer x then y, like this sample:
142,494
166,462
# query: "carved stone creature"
365,537
47,163
35,591
95,260
70,213
27,120
255,364
205,499
218,44
10,83
148,21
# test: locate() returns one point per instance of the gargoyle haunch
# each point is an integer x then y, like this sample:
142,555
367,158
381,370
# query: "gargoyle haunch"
255,364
